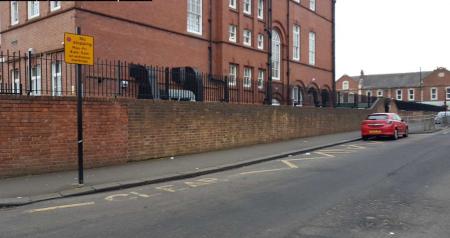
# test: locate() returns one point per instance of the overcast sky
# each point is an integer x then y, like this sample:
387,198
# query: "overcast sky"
391,36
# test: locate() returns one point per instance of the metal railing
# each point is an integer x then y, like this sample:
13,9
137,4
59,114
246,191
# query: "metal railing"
352,100
48,75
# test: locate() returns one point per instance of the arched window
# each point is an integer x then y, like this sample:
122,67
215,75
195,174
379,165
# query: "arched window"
345,85
276,55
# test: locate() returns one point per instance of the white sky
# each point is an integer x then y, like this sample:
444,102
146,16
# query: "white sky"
391,36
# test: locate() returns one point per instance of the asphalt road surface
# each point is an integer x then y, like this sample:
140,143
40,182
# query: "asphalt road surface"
379,188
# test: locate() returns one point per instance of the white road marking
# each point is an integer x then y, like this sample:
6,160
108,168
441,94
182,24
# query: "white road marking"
291,165
60,207
167,188
357,146
262,171
141,194
337,151
324,154
114,196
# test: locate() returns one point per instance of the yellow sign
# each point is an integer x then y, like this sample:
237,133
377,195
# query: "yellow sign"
78,49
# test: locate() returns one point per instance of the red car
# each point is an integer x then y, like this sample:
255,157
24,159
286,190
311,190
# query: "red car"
383,124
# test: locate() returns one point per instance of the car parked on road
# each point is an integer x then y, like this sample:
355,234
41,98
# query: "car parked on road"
442,117
383,125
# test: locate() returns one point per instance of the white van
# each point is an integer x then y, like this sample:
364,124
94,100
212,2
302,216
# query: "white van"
442,117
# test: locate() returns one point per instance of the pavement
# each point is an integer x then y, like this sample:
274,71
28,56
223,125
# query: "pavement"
19,191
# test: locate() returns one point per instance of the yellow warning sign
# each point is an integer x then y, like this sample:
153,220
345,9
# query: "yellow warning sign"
78,49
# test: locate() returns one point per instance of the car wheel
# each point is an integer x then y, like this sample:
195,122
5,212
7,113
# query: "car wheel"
365,137
406,133
395,137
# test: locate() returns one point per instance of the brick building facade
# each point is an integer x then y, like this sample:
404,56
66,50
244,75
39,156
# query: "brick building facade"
429,87
221,37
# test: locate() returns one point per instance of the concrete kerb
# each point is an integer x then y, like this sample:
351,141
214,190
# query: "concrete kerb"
91,189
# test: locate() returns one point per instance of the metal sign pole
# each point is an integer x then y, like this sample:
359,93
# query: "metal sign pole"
80,120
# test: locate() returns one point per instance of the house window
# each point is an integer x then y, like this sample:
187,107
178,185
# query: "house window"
410,94
232,75
345,85
312,48
368,93
247,38
379,93
14,12
36,80
399,94
312,5
447,93
33,9
248,7
261,9
232,4
194,16
55,5
247,77
261,79
15,82
276,55
233,33
56,87
433,94
296,43
260,41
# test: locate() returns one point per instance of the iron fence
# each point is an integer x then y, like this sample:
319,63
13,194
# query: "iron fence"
352,100
48,75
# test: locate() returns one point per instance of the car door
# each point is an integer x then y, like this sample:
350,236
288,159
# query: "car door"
400,125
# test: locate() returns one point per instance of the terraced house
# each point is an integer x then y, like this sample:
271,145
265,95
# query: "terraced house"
217,37
429,87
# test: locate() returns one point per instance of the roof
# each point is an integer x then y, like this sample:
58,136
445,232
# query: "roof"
399,80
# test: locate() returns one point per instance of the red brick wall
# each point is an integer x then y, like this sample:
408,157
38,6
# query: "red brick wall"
40,134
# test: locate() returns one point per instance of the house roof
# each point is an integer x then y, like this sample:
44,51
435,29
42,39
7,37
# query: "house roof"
399,80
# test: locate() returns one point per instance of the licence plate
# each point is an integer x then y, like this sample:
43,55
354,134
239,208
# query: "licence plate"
374,131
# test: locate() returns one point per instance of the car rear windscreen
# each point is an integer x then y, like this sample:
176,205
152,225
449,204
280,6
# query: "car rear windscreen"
377,117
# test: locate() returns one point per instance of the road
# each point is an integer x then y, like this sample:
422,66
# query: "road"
379,188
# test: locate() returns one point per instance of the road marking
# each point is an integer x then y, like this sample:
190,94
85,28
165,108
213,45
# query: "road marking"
60,207
167,188
201,182
140,194
262,171
114,196
325,154
375,142
291,165
338,151
357,146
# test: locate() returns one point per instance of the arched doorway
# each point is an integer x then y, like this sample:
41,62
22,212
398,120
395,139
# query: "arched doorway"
297,96
313,97
325,96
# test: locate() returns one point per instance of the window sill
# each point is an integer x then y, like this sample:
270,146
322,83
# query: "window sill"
32,17
233,9
249,15
195,33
